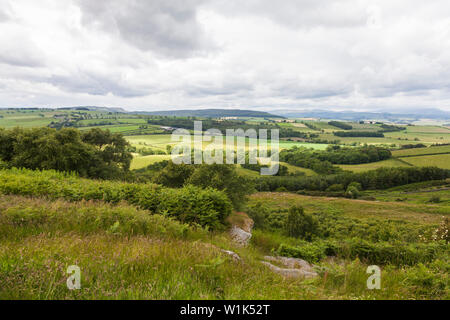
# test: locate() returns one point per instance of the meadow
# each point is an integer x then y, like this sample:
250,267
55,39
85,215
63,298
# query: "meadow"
374,165
438,156
161,141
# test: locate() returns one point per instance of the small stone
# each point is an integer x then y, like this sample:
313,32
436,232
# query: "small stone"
295,268
232,254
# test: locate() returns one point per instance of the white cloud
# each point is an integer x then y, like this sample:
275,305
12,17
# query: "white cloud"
162,54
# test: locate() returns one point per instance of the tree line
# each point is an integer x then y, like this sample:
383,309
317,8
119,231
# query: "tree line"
359,134
382,178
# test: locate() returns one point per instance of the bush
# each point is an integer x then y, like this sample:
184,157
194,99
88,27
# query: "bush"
309,252
335,188
300,225
353,192
258,213
356,185
435,199
174,175
223,177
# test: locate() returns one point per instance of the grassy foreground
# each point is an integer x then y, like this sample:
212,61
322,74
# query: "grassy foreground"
126,253
142,241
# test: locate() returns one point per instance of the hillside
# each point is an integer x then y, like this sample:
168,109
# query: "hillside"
126,251
212,113
359,115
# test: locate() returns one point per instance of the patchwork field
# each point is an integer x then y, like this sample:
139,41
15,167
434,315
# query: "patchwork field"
421,157
167,232
421,151
374,165
161,141
441,161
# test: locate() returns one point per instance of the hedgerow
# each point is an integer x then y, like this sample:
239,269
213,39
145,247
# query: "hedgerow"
190,204
381,178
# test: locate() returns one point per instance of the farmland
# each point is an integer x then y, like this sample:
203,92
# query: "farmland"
431,156
141,227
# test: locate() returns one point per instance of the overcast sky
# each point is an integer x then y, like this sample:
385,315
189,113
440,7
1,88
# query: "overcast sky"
256,54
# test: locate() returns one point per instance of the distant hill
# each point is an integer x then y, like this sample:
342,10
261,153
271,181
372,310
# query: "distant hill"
212,113
94,108
356,116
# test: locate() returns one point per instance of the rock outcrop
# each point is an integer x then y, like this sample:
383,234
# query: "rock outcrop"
240,236
294,268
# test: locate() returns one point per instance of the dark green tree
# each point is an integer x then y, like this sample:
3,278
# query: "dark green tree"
301,225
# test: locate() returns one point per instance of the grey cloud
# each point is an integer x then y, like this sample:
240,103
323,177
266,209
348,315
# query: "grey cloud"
19,60
4,11
167,27
3,16
94,84
295,13
300,91
226,89
20,52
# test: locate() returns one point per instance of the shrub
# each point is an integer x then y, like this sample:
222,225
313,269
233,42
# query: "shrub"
309,252
223,177
356,185
435,199
174,175
258,212
335,188
300,225
352,192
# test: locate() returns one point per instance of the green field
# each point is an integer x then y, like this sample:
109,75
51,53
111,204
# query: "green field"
421,157
422,134
144,161
291,169
441,161
144,136
359,209
430,193
374,165
421,151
